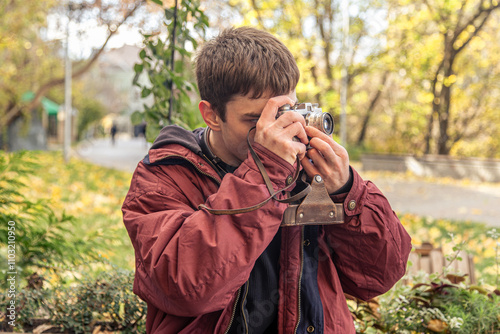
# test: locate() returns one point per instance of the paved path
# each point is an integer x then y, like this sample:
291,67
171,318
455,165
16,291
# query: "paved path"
124,155
459,201
437,199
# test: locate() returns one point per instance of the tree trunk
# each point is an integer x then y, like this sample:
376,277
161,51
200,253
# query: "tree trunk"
443,144
371,108
324,22
441,89
430,125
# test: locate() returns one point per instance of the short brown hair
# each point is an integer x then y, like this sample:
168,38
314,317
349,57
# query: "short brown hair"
244,61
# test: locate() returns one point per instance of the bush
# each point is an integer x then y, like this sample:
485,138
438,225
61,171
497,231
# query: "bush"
440,303
42,237
442,307
106,302
435,307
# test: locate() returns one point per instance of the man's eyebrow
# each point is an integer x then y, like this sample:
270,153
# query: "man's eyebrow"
252,115
257,115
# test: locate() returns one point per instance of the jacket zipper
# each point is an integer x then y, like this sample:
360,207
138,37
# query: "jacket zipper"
242,305
300,276
234,311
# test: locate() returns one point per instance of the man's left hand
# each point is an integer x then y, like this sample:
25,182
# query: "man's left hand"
329,159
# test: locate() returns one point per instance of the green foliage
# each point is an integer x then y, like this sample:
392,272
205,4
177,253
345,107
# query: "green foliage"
43,238
30,305
90,112
109,298
106,301
478,310
495,235
36,188
433,303
170,84
441,307
93,195
365,314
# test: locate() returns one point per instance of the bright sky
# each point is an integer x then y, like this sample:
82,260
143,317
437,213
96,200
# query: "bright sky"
87,36
84,37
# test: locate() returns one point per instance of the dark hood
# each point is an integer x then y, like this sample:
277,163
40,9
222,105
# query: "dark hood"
174,134
195,141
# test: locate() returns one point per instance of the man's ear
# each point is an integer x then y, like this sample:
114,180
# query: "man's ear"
209,115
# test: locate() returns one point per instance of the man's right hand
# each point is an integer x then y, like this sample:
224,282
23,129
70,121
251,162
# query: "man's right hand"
280,135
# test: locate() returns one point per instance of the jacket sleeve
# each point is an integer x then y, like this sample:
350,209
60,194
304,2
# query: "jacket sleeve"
190,262
371,248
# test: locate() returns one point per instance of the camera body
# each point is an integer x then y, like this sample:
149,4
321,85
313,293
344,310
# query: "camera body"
312,114
316,207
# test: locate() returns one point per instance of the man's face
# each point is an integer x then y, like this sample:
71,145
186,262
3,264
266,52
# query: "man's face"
242,113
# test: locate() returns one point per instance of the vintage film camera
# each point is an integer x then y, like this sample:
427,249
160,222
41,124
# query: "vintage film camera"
313,115
316,207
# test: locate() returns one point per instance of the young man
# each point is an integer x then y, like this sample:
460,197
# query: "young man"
201,272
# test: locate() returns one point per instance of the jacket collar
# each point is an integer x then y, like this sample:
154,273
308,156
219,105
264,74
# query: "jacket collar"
175,145
174,134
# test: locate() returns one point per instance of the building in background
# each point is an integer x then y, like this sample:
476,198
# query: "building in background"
110,82
41,129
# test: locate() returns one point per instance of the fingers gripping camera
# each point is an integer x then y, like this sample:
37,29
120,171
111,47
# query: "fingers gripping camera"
312,114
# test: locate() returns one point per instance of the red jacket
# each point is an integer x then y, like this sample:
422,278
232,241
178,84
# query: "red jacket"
190,264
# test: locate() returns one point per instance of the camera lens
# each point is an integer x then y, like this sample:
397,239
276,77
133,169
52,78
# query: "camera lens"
321,121
327,123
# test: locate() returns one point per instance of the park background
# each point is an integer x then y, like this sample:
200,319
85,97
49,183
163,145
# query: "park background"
418,78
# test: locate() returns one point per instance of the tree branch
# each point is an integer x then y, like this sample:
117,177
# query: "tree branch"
460,15
471,21
371,108
16,111
259,16
476,31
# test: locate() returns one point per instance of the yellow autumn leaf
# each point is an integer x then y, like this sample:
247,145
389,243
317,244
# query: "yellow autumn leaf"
437,325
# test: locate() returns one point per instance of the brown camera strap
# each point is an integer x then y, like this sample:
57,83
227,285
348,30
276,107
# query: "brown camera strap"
273,194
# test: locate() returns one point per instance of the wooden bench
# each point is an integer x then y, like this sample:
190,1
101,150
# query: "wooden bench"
431,260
